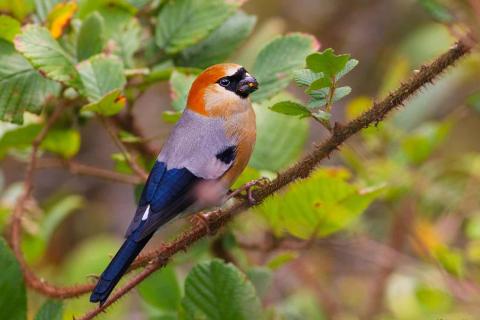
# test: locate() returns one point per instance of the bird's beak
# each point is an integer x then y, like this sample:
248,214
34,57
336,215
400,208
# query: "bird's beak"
247,85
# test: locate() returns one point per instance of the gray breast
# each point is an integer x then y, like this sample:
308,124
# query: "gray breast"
194,143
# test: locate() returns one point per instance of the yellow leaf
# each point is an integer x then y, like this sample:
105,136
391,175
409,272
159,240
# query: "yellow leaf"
358,106
427,237
59,18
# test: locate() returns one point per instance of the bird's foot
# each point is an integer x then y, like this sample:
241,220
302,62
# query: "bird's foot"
248,188
202,219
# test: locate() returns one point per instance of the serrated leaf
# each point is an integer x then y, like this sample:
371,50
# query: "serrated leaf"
318,206
437,10
22,88
161,290
100,75
65,142
18,138
13,300
261,279
322,115
50,310
327,62
305,77
276,62
180,84
38,46
280,138
123,31
290,108
18,8
281,259
423,141
221,43
111,104
43,7
90,39
183,23
59,17
320,84
340,93
215,290
35,244
9,28
351,64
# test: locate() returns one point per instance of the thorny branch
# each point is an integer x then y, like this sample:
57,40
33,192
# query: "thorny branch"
157,258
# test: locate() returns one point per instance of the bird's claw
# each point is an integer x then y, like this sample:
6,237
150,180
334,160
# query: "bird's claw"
248,187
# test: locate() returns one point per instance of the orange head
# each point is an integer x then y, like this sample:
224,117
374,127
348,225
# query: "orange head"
221,90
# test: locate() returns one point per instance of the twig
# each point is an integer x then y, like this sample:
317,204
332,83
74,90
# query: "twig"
15,232
88,170
131,162
298,171
399,232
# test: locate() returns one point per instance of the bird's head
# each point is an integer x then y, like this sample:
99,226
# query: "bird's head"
222,90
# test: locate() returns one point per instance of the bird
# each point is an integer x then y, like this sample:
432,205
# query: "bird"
206,151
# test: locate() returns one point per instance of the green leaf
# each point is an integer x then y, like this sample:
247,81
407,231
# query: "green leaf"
51,310
305,77
261,279
340,93
423,141
9,28
101,75
90,37
221,43
433,299
22,88
123,31
327,62
183,23
291,108
437,10
281,259
45,54
322,115
111,104
318,206
351,64
280,138
162,290
13,300
18,138
472,228
34,245
320,84
451,260
171,116
180,84
103,78
276,62
65,142
43,7
474,101
215,290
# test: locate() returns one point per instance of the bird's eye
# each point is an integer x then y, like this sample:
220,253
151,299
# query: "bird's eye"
224,82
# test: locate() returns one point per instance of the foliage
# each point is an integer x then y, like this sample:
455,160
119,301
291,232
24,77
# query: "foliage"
398,200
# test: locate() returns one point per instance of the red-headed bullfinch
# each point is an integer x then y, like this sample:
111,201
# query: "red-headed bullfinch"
207,150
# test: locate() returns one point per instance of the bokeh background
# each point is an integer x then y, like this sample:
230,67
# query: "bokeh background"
413,254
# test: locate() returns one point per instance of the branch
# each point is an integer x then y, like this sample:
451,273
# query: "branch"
88,170
131,162
300,170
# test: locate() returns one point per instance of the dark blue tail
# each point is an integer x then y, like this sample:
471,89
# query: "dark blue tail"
117,267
